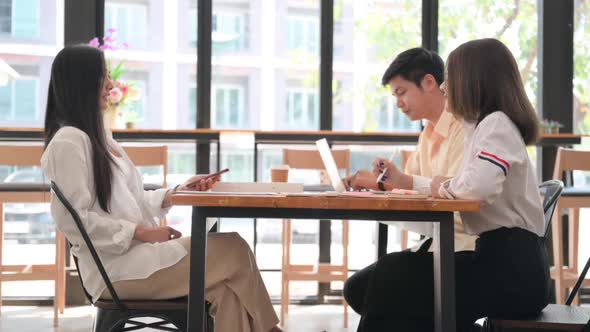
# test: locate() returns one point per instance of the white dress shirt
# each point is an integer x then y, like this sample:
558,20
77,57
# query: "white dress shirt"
67,161
497,170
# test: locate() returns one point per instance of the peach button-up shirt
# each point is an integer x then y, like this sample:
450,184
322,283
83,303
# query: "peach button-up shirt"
439,153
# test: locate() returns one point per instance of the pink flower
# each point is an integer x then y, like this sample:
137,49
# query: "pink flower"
111,30
94,42
115,96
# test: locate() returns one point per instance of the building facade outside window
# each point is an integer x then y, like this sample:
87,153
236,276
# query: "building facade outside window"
19,100
303,34
229,32
389,118
227,106
20,18
128,18
303,108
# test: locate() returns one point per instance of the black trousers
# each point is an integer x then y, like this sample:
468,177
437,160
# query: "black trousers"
506,276
355,287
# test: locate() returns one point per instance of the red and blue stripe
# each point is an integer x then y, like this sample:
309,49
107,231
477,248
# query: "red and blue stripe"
492,158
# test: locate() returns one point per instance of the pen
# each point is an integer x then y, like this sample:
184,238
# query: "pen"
385,169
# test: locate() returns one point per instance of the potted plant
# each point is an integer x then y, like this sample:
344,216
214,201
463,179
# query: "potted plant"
550,126
130,118
124,93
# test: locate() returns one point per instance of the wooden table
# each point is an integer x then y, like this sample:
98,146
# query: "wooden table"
328,207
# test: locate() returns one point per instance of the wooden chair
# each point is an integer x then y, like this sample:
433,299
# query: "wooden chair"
113,315
21,192
150,156
572,198
322,272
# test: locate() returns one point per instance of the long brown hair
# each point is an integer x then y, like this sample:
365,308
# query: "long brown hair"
77,77
483,77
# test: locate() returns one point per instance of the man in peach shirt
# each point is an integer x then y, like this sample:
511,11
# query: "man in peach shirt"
414,78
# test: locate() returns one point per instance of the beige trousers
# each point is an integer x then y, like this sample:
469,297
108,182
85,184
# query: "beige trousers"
233,285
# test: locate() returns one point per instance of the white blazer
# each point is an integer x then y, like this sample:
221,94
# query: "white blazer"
67,161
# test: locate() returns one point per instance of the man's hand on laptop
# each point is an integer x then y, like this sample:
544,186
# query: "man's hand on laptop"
362,179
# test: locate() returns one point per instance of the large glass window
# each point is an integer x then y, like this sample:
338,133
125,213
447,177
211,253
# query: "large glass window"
367,36
163,69
513,22
131,21
28,43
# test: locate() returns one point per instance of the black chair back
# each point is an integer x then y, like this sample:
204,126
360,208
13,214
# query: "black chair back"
90,246
551,191
576,288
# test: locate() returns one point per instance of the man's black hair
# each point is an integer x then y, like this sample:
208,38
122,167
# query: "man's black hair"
413,64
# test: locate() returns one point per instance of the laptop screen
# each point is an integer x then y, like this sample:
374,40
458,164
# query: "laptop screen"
330,165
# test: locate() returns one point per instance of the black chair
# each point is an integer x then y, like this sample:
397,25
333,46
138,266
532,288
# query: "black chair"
551,191
554,317
113,315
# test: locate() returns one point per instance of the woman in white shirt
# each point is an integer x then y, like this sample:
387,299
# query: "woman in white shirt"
144,260
508,273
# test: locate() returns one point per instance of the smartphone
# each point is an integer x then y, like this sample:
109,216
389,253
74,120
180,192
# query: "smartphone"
208,176
225,170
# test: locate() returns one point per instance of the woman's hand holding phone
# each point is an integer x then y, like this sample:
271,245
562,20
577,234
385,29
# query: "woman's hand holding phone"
202,182
199,182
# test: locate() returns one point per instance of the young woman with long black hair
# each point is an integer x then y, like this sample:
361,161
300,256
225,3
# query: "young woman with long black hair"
144,260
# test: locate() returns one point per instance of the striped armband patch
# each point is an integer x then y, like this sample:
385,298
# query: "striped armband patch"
492,158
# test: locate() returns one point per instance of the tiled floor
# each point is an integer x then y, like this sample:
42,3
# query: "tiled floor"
328,318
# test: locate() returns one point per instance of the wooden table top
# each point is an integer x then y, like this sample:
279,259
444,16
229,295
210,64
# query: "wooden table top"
324,202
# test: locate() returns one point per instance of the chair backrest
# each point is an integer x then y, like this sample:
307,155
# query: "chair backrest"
149,156
90,246
21,155
551,191
570,160
311,159
578,284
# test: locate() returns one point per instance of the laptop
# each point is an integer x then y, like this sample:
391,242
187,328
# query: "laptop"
330,165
